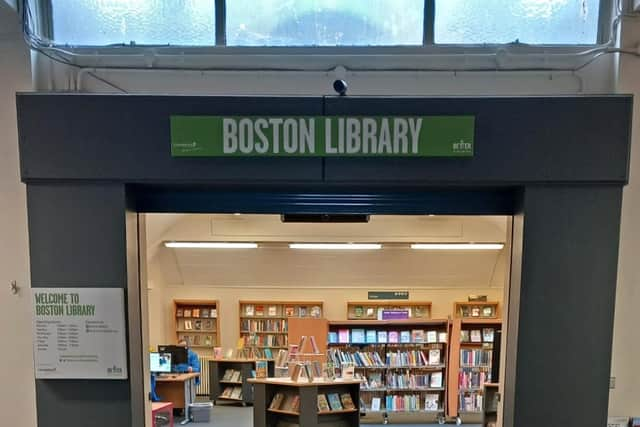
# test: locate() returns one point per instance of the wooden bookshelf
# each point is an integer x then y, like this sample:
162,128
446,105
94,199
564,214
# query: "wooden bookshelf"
265,324
476,310
462,329
245,367
408,372
197,321
372,310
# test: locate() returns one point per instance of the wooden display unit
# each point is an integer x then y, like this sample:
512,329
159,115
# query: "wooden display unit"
470,365
476,310
197,321
403,375
490,407
307,413
265,324
372,310
218,382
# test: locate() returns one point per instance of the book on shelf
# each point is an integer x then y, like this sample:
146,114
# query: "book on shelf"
208,340
179,312
316,312
405,337
334,401
295,404
347,402
314,345
217,353
308,372
358,336
249,310
417,335
487,334
277,400
487,311
395,314
358,311
436,380
196,340
235,376
420,311
464,336
393,337
302,311
333,338
213,313
196,312
187,312
382,337
262,369
188,325
431,402
432,337
197,325
343,336
229,353
259,310
281,358
371,336
434,356
323,404
236,393
207,324
289,311
375,404
268,354
442,337
475,335
204,312
272,310
287,403
370,313
227,375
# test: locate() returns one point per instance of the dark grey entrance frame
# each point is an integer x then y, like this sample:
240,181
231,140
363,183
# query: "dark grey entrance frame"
558,164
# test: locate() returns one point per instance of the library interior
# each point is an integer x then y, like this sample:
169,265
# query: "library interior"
341,320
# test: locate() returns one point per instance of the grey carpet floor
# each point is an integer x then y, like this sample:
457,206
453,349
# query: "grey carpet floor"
237,416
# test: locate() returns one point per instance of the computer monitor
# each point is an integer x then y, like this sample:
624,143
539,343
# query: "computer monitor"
160,362
179,355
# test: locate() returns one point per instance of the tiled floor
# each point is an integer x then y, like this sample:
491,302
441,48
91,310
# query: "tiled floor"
236,416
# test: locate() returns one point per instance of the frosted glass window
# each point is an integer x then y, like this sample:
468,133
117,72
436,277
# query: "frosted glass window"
324,22
504,21
104,22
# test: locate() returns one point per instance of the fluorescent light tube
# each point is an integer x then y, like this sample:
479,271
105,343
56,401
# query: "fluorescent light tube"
336,246
211,245
458,246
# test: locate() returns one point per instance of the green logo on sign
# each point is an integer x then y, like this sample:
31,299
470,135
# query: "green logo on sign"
303,136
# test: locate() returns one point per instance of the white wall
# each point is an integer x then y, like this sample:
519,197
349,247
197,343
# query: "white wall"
17,398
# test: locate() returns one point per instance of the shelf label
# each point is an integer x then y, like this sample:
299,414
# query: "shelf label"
79,333
388,295
325,136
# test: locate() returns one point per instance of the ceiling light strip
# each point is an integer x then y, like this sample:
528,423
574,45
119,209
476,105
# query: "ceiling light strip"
211,245
458,246
336,246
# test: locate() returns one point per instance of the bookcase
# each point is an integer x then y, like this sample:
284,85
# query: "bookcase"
388,310
198,322
228,377
279,401
470,364
476,310
264,325
402,365
491,402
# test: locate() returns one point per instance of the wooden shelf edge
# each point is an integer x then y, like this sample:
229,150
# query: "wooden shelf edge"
340,411
282,411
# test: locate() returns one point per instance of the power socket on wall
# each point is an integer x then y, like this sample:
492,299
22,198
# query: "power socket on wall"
612,382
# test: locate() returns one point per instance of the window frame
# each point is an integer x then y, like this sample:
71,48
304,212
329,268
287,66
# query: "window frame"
605,13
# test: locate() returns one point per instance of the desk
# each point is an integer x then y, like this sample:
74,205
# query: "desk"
180,389
160,407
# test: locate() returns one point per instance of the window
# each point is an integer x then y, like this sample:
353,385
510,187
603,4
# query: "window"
265,23
324,22
105,22
529,21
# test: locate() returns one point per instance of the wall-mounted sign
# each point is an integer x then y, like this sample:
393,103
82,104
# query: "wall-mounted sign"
388,295
337,136
79,333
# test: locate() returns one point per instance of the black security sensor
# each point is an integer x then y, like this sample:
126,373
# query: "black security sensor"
340,86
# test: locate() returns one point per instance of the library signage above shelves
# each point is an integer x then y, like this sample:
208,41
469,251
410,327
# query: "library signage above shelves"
388,295
322,136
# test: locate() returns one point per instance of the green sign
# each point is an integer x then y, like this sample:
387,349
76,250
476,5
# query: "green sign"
325,136
388,295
